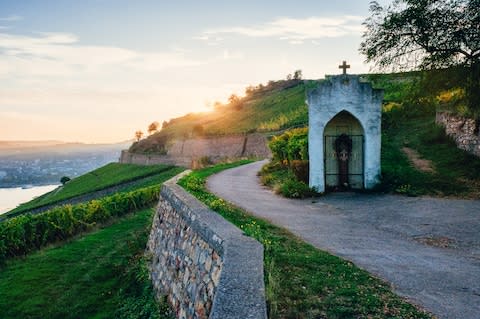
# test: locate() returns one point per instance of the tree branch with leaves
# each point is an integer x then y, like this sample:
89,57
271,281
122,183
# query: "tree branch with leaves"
427,34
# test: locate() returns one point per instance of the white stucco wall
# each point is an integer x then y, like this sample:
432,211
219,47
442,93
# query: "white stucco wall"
332,96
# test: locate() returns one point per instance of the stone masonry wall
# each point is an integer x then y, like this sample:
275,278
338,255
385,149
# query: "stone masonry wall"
187,152
153,159
462,130
205,265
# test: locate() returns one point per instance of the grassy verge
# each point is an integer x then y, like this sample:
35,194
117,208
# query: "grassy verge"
106,176
456,173
302,281
152,180
101,275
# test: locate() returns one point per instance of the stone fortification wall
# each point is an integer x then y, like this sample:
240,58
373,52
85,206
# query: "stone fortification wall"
187,152
205,265
463,131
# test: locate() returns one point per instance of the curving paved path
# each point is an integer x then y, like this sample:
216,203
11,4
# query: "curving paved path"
390,236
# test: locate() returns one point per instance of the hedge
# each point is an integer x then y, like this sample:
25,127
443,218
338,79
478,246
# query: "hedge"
23,234
291,145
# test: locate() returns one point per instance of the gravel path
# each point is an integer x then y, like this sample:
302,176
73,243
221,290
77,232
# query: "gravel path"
427,248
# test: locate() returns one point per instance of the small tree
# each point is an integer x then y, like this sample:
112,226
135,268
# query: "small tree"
297,75
64,180
233,99
249,90
153,127
138,135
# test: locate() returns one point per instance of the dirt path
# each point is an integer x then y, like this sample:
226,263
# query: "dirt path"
428,249
419,163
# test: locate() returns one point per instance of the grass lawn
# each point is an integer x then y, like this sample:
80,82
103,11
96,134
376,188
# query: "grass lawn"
152,180
456,173
302,281
100,275
103,177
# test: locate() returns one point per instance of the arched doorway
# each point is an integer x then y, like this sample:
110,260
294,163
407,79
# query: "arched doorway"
343,152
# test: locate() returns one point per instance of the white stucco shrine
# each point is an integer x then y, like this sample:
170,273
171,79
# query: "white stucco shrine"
344,137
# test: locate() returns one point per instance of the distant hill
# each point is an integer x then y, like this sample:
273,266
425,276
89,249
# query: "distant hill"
268,109
45,162
35,147
27,144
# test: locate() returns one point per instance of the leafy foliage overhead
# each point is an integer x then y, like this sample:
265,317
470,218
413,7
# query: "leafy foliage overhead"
410,33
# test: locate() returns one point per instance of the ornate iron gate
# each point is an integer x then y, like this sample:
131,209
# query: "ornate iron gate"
340,162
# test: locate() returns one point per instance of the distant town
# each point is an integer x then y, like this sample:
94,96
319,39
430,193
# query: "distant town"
45,165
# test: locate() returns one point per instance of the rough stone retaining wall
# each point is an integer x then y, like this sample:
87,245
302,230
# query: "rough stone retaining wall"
462,130
205,265
153,159
187,152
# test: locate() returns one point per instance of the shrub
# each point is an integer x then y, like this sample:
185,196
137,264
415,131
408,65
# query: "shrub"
295,189
301,170
278,146
288,173
64,180
291,145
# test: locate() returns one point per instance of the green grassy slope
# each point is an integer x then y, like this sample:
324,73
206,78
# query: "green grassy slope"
268,109
106,176
278,106
456,173
100,275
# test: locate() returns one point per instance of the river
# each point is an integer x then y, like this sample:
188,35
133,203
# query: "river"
12,197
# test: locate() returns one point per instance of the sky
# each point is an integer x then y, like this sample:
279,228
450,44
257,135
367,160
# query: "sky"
96,71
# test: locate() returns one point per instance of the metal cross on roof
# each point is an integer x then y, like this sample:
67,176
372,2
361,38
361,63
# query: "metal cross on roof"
344,66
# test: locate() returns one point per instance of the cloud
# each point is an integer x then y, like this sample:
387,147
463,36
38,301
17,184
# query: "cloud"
229,55
210,39
296,30
11,18
57,54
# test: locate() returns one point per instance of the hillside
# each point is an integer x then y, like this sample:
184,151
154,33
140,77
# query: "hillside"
409,133
264,108
107,235
113,174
